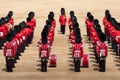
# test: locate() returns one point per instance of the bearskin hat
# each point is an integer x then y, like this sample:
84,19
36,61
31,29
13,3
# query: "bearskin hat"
78,40
74,19
107,12
96,21
62,11
50,17
77,30
108,16
113,22
16,29
31,14
102,36
97,27
88,14
28,19
1,23
10,36
48,22
46,29
51,13
72,13
117,26
77,33
44,36
5,19
22,25
10,14
76,25
91,18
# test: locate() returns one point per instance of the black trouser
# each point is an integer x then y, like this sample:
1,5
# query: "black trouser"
88,34
77,65
63,29
102,65
9,64
44,64
1,43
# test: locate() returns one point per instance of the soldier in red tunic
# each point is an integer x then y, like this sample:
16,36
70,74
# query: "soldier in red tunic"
9,53
62,21
102,51
89,24
11,20
2,35
17,42
78,54
86,22
44,50
77,50
31,21
31,16
70,23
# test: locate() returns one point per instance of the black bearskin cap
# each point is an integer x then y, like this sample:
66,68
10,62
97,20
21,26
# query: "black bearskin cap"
98,28
28,19
117,26
108,16
10,14
78,40
1,22
72,13
52,13
88,14
48,22
62,11
113,21
91,18
22,24
31,14
107,12
102,36
96,21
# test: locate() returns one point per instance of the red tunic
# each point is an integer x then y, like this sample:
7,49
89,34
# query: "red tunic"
62,20
30,24
70,23
54,24
2,34
19,37
101,49
11,21
33,20
9,50
87,21
44,50
77,50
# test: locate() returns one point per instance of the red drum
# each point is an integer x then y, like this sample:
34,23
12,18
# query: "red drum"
53,60
85,60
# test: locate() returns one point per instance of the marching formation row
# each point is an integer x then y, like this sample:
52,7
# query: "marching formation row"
6,26
97,37
79,58
112,31
18,36
45,43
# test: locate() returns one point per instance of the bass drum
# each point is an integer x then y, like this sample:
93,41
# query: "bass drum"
53,60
